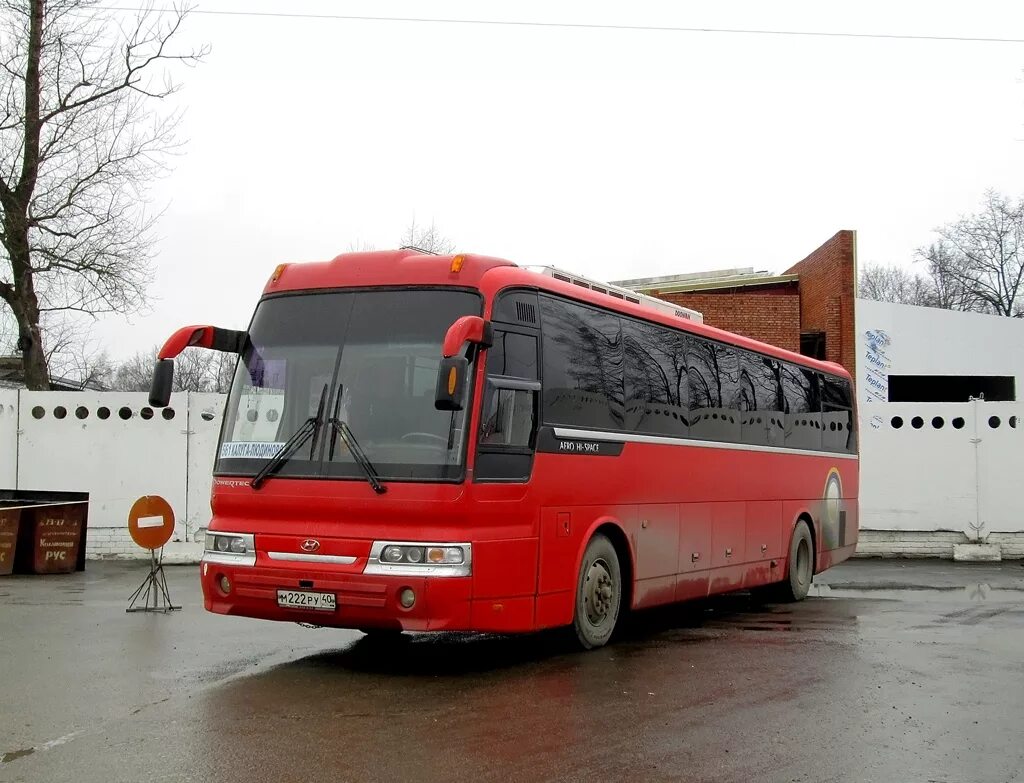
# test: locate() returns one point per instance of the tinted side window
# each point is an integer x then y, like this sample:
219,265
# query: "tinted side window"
836,392
583,385
802,408
838,431
513,354
714,383
761,400
655,378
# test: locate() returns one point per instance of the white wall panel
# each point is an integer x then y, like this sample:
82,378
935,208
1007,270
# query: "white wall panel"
205,414
938,478
1000,463
104,445
8,438
917,479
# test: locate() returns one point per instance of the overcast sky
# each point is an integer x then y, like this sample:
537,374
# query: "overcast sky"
613,153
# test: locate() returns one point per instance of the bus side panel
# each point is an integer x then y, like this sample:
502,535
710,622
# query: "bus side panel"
505,569
694,551
764,543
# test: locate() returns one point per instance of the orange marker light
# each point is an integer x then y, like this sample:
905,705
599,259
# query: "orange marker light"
457,263
453,377
278,271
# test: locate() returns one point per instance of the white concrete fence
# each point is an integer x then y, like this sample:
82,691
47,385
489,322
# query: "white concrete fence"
925,485
118,449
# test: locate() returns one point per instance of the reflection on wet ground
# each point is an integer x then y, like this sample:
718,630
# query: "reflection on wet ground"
889,672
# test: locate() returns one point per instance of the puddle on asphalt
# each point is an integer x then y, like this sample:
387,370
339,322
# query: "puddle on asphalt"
13,755
979,591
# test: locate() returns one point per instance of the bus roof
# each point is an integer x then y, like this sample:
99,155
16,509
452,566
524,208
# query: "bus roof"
410,267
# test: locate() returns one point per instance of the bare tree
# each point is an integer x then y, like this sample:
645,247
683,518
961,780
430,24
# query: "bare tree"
74,355
978,262
896,284
195,369
427,238
80,140
360,246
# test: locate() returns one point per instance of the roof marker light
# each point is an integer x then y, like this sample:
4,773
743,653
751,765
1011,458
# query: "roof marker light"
457,262
278,271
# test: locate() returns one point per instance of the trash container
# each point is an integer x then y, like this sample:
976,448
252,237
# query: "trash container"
9,521
56,537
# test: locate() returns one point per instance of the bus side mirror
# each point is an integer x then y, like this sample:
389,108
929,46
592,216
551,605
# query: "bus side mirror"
163,378
451,383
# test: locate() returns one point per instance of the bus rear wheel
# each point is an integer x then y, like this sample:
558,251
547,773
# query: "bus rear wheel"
800,566
598,594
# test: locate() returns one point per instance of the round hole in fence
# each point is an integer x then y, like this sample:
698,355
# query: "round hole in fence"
252,415
272,415
38,412
938,422
1012,422
167,413
60,412
897,422
82,412
917,422
994,422
208,416
125,413
832,426
958,423
146,413
103,412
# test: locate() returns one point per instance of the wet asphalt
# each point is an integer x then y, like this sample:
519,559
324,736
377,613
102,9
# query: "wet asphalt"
892,671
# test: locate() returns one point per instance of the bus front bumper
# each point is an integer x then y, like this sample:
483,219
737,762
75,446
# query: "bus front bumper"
362,601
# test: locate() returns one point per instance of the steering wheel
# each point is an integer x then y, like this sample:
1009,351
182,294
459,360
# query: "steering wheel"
424,436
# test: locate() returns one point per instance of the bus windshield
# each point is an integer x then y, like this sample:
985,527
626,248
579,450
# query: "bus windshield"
373,357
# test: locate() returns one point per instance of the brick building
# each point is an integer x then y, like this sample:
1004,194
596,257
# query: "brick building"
807,309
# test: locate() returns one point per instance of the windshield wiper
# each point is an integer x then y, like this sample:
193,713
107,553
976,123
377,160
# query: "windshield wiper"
341,427
310,427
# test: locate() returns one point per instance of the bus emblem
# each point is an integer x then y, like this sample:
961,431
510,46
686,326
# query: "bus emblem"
310,545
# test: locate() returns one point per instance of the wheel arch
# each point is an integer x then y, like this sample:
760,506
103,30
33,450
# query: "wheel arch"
804,516
612,529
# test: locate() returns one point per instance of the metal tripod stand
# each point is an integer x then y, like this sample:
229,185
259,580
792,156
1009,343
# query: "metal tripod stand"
153,590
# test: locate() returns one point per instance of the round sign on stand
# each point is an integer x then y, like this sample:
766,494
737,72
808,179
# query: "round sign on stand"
151,522
151,525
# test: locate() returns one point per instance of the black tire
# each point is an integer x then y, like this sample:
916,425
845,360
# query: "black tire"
598,594
799,567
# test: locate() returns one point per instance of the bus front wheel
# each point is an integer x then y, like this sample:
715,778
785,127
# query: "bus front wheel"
800,565
598,594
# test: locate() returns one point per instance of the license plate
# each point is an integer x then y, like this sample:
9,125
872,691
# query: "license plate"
304,599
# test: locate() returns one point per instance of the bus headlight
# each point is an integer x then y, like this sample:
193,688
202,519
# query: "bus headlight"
230,549
418,559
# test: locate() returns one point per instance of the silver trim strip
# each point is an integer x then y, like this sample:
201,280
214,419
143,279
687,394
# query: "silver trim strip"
298,557
229,558
389,569
629,437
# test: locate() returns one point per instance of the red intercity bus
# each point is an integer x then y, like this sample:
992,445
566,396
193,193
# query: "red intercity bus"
427,443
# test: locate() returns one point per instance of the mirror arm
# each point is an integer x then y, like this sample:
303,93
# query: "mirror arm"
212,337
468,328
